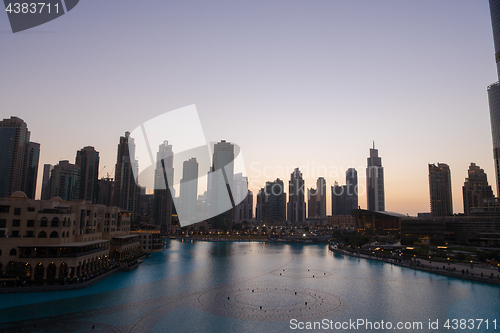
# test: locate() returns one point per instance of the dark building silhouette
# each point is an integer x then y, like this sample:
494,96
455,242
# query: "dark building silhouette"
296,204
64,181
345,198
18,158
88,160
221,177
47,170
274,210
317,200
126,191
375,182
440,190
475,189
105,191
189,190
259,206
162,198
337,199
494,91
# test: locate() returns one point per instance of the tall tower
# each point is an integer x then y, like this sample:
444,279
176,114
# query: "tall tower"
189,190
47,171
337,199
440,190
31,169
221,184
475,189
18,158
351,191
296,204
375,182
162,197
494,91
274,202
126,190
88,160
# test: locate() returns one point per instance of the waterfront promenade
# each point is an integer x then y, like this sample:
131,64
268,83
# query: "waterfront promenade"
457,270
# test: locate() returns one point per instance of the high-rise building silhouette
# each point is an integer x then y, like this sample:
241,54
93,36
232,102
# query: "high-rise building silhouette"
47,170
126,190
87,159
337,199
105,191
18,158
475,189
221,178
440,190
260,205
162,198
243,210
31,169
351,191
494,91
274,210
375,182
64,181
296,204
316,199
189,190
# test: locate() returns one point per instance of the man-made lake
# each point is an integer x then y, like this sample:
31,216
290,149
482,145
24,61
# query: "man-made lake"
195,286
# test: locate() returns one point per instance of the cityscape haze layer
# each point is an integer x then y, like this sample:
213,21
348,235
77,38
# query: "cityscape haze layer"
293,84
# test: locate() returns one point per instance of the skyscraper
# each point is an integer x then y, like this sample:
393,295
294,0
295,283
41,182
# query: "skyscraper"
126,191
440,190
18,158
31,169
243,210
337,199
296,204
494,91
88,160
47,170
375,182
260,205
162,198
221,178
189,190
274,202
317,200
351,191
475,189
65,181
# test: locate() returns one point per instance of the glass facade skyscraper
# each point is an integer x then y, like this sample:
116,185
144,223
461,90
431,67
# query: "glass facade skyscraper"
494,91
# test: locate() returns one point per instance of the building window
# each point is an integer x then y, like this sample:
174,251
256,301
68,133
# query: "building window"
17,211
42,234
31,209
13,252
54,223
44,222
30,234
14,233
31,223
54,234
4,209
16,223
3,223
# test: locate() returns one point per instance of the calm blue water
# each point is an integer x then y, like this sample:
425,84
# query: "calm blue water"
207,287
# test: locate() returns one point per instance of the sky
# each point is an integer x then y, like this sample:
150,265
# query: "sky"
308,84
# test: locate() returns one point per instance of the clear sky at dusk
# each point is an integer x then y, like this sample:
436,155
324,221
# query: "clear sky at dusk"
293,83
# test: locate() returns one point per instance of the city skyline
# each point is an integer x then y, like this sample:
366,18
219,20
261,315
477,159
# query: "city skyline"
406,86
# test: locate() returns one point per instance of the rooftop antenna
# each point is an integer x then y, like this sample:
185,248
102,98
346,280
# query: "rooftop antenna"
373,144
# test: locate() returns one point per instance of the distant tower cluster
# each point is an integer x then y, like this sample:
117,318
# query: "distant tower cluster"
18,158
317,200
345,198
440,190
375,182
